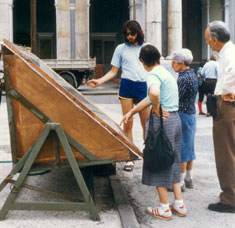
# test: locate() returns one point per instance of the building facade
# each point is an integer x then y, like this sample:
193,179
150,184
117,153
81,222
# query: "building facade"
72,29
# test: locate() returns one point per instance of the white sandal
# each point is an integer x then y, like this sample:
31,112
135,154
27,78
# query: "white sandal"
129,166
166,215
180,211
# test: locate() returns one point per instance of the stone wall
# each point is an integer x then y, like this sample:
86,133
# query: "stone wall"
6,19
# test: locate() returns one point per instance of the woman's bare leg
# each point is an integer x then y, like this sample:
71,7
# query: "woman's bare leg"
178,207
189,165
144,116
182,174
177,191
163,195
127,105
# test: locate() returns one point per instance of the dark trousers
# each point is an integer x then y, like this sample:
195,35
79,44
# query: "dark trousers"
209,89
210,86
202,91
224,144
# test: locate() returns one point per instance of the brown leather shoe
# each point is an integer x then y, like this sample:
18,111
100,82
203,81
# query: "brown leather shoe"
221,207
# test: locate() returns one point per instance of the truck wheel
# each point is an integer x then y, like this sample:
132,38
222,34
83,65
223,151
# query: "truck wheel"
69,77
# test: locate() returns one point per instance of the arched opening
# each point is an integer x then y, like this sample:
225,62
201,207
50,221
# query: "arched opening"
106,19
34,26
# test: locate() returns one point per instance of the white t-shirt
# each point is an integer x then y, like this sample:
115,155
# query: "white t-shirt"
126,57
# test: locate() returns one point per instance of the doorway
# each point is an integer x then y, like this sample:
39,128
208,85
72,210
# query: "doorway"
192,28
34,26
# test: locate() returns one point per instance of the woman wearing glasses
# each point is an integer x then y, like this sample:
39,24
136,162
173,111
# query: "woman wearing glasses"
133,87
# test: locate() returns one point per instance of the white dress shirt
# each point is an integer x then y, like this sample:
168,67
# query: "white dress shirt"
209,70
226,70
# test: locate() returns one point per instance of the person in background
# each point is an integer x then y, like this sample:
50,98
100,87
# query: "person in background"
162,90
188,88
210,73
217,36
201,88
133,87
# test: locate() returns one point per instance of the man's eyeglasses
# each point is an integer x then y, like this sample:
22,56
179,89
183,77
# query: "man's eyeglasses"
130,33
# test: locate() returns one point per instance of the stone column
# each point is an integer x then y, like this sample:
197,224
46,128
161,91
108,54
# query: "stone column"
82,29
6,20
229,6
174,25
63,29
140,12
132,9
205,21
154,23
226,11
232,20
137,11
72,23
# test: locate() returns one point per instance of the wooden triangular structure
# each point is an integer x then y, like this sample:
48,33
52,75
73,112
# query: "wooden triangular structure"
58,101
24,166
38,102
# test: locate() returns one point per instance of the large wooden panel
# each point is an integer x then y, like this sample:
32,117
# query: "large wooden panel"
61,103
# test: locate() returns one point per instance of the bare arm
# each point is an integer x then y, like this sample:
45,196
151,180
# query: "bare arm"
139,107
154,95
108,76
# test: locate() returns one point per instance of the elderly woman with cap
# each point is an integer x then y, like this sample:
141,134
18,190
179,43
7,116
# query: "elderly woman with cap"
188,88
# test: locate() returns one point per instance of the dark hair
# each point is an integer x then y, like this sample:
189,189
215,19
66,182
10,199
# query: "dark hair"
134,27
149,55
219,30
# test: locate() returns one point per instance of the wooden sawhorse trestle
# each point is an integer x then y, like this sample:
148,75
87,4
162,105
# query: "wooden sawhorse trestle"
24,166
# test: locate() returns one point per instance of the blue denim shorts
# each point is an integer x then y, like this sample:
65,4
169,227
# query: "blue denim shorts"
135,90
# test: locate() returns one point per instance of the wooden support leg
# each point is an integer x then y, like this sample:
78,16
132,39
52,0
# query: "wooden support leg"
77,173
27,164
17,167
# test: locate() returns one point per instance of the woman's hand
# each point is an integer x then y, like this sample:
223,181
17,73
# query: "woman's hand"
127,117
94,83
156,111
108,76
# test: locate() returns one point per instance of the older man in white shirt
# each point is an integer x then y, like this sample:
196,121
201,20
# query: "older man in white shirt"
217,37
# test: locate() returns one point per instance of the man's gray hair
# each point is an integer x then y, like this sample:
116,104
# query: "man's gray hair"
183,55
219,31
